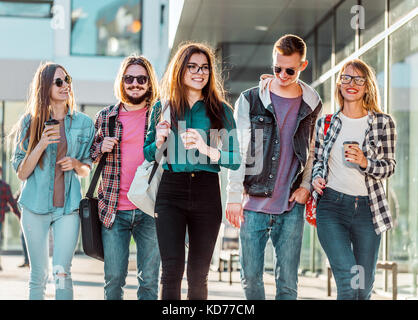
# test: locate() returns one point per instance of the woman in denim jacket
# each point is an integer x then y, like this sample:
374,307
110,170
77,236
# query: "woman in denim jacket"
50,159
351,163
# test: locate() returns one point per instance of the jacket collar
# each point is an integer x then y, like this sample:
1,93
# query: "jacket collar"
115,110
309,95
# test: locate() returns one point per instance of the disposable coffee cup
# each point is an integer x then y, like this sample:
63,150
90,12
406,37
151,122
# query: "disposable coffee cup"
53,123
347,145
184,138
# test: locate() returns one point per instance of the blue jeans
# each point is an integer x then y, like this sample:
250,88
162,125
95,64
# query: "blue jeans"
116,242
285,231
347,235
65,228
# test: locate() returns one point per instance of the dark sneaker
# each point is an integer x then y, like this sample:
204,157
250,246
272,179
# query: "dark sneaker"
24,265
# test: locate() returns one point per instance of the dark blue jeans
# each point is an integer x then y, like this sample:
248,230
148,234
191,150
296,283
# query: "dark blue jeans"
347,235
116,242
285,231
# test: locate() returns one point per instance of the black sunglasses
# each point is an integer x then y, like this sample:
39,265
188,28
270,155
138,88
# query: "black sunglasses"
289,71
194,68
59,82
346,79
140,79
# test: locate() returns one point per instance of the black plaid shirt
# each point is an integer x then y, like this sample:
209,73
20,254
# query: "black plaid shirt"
6,199
379,149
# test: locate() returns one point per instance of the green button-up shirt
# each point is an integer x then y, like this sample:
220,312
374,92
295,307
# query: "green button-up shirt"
183,160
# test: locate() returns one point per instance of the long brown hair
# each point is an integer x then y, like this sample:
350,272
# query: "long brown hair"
371,99
173,88
38,107
119,90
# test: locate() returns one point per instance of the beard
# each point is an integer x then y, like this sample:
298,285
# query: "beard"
137,100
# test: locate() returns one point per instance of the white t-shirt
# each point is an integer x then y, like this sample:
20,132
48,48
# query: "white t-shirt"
344,176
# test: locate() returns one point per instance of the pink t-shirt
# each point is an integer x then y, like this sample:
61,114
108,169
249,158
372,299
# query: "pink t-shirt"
132,154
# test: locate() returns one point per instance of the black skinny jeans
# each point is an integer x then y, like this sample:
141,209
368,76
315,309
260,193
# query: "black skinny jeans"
191,200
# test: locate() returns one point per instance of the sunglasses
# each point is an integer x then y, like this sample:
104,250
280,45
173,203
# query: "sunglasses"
140,79
59,82
289,71
346,79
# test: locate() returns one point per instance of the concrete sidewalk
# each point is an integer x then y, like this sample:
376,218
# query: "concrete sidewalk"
87,274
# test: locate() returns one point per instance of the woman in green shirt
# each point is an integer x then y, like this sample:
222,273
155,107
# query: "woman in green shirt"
189,193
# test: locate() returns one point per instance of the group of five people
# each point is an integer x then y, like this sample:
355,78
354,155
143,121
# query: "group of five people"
273,143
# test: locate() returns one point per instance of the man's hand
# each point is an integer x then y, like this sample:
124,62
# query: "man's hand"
235,214
108,144
301,196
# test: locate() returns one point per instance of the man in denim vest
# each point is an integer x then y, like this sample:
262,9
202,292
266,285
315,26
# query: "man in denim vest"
267,194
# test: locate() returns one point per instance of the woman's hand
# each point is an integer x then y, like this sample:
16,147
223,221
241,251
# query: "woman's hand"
356,155
193,140
163,130
67,163
319,184
49,136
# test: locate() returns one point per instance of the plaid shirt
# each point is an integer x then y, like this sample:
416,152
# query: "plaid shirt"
379,149
6,198
108,192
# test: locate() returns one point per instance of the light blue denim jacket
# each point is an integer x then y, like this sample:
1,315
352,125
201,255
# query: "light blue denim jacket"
37,189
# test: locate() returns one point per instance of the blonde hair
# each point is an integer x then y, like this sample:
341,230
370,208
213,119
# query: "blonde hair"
134,59
39,106
371,99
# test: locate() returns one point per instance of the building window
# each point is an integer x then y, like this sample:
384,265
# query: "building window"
26,9
375,57
345,34
399,8
375,20
403,186
106,27
324,47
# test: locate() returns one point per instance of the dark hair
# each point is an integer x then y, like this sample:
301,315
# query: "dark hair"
289,44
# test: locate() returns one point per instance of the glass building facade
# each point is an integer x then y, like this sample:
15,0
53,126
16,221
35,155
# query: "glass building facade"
389,43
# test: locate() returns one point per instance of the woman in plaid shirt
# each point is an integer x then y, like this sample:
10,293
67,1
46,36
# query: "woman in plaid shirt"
351,163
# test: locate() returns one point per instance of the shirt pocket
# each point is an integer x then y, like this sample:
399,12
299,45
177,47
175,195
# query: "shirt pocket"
261,122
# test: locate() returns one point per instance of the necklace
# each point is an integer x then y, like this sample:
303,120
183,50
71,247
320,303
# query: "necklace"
123,106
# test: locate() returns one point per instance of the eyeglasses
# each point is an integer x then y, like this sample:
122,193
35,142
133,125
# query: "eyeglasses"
346,79
289,71
59,82
194,68
140,79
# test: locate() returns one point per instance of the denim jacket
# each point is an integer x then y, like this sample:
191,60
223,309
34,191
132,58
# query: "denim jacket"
259,168
37,189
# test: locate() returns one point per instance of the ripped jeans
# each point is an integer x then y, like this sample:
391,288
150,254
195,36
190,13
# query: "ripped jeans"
65,231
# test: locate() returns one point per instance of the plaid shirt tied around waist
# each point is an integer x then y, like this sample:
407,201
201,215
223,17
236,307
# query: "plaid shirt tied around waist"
379,149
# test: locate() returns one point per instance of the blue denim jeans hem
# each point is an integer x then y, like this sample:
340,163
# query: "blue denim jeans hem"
285,231
65,231
347,235
116,241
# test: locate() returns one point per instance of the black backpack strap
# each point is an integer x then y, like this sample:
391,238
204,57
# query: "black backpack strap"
99,168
